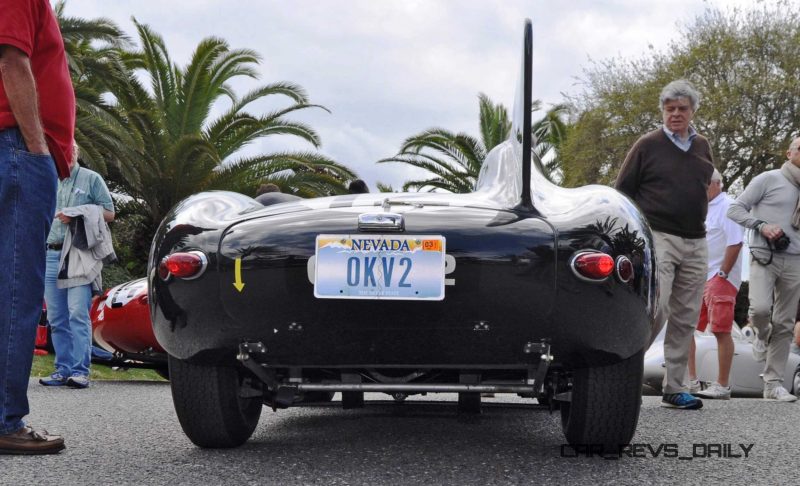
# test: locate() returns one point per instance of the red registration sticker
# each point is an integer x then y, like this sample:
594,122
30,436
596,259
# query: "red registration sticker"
432,245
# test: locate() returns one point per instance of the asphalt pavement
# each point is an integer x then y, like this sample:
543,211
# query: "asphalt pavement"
127,433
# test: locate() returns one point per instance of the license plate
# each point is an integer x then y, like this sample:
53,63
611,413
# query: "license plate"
386,267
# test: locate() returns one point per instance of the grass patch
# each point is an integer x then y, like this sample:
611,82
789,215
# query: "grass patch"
43,366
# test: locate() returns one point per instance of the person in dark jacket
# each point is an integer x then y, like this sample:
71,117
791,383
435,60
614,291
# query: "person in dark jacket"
667,173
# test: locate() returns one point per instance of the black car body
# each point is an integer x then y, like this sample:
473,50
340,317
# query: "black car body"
529,303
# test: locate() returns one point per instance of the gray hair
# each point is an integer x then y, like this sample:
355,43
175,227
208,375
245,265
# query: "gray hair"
680,88
716,176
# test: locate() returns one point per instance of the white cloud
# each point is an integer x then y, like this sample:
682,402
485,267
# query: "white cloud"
388,70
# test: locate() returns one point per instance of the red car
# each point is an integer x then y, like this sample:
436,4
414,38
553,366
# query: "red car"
121,325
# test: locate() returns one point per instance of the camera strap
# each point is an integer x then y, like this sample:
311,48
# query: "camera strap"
758,260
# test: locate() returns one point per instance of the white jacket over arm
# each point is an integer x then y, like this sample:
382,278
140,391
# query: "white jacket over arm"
84,266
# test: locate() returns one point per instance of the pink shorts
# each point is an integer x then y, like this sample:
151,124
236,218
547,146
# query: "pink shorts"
719,300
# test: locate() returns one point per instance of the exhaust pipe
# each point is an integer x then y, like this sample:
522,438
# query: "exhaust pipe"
416,388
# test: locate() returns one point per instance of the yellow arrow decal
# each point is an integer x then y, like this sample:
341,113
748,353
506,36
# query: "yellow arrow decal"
238,274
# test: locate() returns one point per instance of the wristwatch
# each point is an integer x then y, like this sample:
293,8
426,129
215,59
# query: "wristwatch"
722,274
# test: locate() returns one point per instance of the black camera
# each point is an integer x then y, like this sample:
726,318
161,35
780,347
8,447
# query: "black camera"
781,244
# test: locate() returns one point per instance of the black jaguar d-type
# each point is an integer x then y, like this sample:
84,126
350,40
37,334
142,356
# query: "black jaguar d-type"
520,287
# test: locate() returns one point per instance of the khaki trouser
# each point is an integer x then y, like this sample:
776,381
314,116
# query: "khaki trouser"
774,293
682,268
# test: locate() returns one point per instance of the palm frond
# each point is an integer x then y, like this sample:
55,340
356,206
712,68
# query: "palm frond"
293,91
459,157
181,150
156,62
495,124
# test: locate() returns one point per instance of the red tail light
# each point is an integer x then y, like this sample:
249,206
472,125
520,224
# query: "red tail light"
625,271
186,265
593,266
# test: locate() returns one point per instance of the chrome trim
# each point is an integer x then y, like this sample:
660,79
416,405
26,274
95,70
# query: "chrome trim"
158,274
577,273
623,258
380,222
203,264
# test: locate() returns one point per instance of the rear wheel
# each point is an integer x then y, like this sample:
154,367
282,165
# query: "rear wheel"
605,404
208,405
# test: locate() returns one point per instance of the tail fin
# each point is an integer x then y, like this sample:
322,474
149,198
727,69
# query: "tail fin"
522,116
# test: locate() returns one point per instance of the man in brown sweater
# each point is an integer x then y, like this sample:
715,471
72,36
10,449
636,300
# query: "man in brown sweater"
667,173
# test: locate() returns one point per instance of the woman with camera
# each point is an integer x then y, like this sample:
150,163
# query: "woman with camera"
770,206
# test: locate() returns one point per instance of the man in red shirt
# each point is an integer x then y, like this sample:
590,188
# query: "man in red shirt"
37,119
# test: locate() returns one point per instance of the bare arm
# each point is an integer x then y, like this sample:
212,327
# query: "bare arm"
731,254
20,88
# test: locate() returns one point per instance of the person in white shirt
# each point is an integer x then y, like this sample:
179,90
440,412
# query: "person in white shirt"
724,238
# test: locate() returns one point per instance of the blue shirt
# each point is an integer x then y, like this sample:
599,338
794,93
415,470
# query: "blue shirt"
684,145
83,186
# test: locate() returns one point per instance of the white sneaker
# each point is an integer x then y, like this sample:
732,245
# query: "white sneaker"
716,391
695,386
778,393
759,349
78,381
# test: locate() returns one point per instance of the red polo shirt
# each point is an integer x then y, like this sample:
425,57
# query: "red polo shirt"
30,25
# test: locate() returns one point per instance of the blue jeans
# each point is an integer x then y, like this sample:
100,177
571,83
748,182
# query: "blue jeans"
70,327
27,208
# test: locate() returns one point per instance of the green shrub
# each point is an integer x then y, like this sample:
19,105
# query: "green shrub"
114,275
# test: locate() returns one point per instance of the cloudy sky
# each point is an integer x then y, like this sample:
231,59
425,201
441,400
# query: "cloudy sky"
390,69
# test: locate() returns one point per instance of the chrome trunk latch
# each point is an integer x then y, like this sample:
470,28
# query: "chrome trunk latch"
380,222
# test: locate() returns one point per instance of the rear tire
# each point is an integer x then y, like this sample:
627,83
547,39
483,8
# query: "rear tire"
605,404
208,405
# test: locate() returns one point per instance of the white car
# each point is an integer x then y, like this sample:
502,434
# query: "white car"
746,372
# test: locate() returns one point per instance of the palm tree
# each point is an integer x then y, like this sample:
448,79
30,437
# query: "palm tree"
184,150
93,55
549,135
455,159
382,187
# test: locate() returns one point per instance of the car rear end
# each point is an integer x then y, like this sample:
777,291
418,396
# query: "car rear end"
443,286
